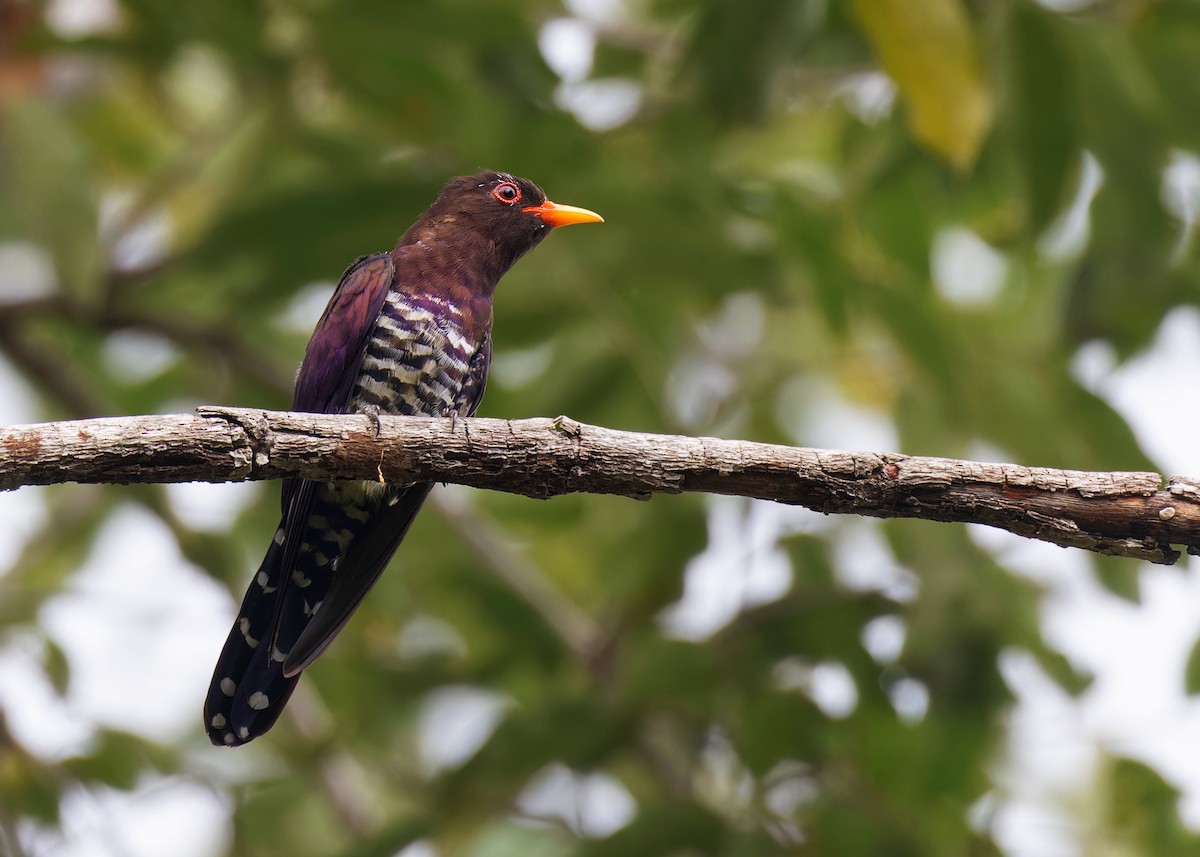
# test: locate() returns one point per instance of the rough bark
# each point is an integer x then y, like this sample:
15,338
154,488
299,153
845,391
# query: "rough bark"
1127,514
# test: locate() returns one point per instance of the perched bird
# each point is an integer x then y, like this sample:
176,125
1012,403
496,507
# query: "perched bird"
406,332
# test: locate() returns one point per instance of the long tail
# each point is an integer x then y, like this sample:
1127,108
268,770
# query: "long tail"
287,620
248,689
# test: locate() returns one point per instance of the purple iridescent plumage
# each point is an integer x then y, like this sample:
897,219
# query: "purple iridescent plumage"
406,332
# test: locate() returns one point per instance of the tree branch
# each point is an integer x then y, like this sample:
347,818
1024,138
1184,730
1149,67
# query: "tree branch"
52,373
1126,514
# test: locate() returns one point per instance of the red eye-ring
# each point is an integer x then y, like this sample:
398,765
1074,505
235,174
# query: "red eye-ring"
507,193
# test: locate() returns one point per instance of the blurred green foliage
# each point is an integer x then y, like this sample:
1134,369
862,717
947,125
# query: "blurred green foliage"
774,204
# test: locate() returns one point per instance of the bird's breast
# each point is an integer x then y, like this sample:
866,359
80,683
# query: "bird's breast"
417,358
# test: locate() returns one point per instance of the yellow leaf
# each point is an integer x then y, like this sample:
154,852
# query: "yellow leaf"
928,48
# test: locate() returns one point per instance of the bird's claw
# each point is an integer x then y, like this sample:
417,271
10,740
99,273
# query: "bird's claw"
372,411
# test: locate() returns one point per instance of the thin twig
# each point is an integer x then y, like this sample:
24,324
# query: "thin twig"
49,372
217,342
575,628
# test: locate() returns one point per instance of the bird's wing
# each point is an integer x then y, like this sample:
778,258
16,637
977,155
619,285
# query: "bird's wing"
334,354
369,552
471,393
327,374
324,384
335,351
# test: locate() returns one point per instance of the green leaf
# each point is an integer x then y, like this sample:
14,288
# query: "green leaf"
502,840
1044,109
1142,807
48,176
116,760
930,50
1120,576
56,665
670,827
1191,672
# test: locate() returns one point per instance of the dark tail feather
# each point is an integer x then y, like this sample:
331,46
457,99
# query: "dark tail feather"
365,555
249,689
283,624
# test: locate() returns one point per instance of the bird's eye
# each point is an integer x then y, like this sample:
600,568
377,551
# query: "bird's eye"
507,193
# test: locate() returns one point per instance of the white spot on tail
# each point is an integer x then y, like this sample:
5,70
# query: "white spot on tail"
228,739
312,611
262,581
244,627
228,686
278,536
218,721
299,579
277,655
258,701
244,732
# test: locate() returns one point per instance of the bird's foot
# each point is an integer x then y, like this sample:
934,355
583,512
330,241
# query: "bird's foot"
372,411
452,413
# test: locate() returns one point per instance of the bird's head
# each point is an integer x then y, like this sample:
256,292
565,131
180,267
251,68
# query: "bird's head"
509,213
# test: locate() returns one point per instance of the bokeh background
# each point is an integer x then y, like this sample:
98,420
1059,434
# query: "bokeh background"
952,227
